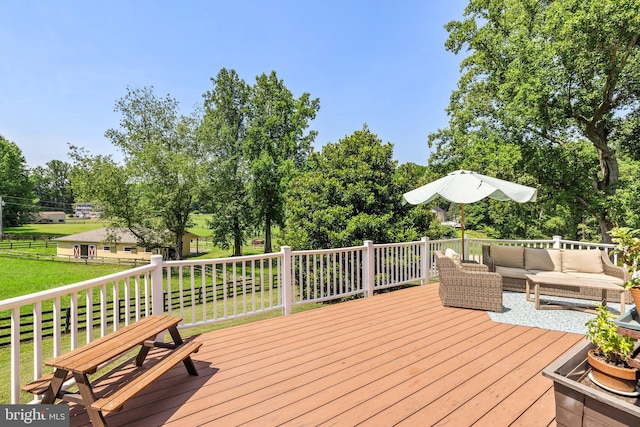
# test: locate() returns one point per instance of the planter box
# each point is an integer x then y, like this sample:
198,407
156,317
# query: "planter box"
579,402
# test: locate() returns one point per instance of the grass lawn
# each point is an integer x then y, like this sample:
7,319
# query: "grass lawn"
200,227
73,226
24,276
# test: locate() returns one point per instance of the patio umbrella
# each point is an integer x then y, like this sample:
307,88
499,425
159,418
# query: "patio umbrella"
465,186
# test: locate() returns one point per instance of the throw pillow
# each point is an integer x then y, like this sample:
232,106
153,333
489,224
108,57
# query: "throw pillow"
508,256
542,259
453,255
584,261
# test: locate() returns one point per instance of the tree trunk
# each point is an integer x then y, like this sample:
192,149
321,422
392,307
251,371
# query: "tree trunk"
178,244
605,226
237,239
609,171
267,235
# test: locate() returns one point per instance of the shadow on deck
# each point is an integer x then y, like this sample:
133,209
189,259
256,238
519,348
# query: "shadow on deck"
396,358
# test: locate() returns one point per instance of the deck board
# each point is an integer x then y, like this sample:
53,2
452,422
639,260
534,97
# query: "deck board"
396,358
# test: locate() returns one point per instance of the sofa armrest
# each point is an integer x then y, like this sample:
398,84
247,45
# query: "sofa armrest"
486,258
610,269
481,268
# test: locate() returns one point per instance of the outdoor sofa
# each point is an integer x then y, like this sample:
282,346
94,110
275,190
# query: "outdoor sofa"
514,262
467,285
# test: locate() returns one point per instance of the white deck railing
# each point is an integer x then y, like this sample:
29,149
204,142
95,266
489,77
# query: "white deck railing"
46,324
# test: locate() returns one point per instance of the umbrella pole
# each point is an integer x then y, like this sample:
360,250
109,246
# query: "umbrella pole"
462,228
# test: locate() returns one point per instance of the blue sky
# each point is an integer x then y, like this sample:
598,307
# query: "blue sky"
63,64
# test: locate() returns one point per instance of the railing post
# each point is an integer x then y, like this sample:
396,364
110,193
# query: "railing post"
556,242
425,260
157,302
15,355
287,283
369,268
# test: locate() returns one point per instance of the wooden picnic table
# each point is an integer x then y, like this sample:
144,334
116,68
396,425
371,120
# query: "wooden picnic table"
86,360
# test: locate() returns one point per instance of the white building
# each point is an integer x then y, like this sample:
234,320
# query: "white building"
86,210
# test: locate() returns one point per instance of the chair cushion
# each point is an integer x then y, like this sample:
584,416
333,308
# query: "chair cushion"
542,259
508,256
583,261
512,272
453,255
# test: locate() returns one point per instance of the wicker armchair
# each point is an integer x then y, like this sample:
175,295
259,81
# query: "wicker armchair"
468,285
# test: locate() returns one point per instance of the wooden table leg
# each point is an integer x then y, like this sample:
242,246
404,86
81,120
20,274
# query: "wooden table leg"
84,387
622,302
175,335
142,354
55,386
528,290
536,288
177,339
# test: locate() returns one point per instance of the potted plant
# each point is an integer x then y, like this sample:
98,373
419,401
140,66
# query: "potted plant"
628,250
609,368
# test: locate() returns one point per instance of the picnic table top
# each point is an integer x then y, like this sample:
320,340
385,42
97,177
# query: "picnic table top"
87,358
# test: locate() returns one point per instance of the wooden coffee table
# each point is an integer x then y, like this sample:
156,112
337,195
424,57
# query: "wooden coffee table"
541,280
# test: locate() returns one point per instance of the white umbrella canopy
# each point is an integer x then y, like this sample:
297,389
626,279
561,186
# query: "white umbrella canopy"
465,186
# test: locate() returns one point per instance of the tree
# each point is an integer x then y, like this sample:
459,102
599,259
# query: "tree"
276,145
350,192
52,185
226,168
15,187
546,76
152,193
101,180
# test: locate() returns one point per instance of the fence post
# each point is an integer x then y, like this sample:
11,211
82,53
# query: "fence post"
287,283
157,301
556,242
425,260
369,268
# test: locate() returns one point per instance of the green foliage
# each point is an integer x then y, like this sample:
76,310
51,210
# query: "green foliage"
351,192
276,145
52,186
226,168
628,250
549,91
15,187
603,332
625,203
152,193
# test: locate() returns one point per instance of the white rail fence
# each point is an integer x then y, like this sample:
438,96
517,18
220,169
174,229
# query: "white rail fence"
49,323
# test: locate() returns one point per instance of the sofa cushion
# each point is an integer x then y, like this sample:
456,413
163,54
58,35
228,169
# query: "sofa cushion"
583,261
507,256
512,272
542,259
599,277
453,255
556,275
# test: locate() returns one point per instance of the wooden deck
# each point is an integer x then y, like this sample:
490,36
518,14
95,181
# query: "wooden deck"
396,358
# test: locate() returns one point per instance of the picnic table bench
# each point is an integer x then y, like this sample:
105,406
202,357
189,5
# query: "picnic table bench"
85,360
